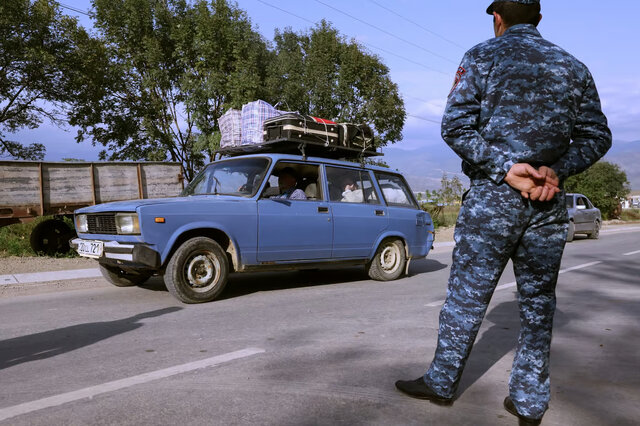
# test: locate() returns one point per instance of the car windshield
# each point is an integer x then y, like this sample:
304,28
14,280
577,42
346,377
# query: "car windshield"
569,200
239,176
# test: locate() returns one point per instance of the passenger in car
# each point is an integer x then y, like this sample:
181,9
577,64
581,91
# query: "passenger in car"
287,180
351,193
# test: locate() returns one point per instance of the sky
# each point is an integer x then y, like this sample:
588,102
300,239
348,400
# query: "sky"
422,42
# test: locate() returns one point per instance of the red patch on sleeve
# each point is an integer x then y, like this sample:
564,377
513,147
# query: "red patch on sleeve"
457,79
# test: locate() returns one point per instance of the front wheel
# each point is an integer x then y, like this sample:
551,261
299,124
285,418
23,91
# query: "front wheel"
197,271
389,261
595,234
119,278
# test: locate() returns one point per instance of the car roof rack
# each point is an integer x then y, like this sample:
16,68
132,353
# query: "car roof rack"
304,148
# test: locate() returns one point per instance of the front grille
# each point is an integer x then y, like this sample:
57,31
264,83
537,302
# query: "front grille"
102,224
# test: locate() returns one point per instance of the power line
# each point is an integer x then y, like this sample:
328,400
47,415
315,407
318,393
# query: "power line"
82,12
417,24
388,33
366,44
424,118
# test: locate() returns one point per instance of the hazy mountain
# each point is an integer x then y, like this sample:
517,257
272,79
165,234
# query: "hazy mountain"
627,156
423,167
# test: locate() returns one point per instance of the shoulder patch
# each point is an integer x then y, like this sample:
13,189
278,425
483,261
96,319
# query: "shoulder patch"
457,79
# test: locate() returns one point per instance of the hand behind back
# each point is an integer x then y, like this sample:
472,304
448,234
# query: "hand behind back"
536,185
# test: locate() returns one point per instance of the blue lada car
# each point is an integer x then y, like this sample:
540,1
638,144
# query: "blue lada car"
254,213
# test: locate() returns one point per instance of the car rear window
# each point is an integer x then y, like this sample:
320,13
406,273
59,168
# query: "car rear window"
395,190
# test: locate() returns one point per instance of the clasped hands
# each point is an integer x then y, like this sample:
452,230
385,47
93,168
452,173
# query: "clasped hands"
540,184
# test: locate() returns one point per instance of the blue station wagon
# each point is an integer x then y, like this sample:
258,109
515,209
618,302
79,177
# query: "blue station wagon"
238,215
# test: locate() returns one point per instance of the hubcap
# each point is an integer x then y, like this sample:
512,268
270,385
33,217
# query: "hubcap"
203,272
390,258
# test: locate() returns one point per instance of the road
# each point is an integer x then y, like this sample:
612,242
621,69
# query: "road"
307,348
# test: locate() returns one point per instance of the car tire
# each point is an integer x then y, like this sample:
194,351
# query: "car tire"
198,271
595,234
51,237
571,232
389,261
119,278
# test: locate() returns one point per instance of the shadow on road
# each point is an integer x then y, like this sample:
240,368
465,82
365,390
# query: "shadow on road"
52,343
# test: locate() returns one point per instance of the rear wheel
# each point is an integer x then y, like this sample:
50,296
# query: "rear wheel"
571,233
120,278
595,234
197,271
389,261
51,237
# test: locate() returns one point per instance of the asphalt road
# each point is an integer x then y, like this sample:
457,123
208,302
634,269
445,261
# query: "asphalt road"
307,348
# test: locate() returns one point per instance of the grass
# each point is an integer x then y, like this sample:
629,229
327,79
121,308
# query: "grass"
14,239
442,216
630,214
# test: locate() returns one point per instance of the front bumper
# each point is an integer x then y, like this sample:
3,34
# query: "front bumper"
135,255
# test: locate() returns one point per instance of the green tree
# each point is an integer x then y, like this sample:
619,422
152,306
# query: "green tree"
604,183
321,73
174,67
39,47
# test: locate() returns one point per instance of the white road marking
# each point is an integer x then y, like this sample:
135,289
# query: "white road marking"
631,253
620,229
513,284
90,392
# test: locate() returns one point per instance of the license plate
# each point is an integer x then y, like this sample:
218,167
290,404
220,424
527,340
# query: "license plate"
90,248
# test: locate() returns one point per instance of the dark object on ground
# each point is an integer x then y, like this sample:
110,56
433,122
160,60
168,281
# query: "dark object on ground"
418,389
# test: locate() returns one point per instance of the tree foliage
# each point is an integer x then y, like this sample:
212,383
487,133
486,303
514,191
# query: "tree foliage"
154,78
39,47
604,183
321,73
450,192
173,68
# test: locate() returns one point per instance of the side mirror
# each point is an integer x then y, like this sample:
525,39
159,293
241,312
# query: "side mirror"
581,207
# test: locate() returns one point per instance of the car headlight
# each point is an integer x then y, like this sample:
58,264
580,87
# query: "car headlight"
127,223
81,223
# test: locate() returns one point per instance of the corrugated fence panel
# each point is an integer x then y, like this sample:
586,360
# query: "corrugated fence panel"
115,182
66,184
20,184
161,180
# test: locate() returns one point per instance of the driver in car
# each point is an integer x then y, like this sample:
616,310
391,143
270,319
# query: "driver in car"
287,180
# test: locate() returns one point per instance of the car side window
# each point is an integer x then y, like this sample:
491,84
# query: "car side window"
350,186
294,181
569,201
395,190
587,203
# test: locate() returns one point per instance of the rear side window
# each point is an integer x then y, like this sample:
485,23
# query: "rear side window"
395,190
350,186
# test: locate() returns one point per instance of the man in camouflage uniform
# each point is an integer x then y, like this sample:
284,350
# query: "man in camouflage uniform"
517,103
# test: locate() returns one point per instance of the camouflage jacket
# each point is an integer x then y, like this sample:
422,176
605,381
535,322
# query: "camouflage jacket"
518,98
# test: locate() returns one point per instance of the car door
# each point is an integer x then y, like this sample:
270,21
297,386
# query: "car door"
580,218
294,229
404,215
358,215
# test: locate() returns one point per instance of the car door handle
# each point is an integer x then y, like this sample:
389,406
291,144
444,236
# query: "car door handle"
323,209
379,212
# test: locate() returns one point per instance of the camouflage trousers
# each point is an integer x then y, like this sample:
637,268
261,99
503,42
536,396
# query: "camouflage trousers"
496,224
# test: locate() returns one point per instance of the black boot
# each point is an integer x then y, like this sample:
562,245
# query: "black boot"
418,389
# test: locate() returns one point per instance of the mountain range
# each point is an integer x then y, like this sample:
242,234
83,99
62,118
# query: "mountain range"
424,167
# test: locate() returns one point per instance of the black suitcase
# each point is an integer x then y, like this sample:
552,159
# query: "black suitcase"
303,128
356,136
